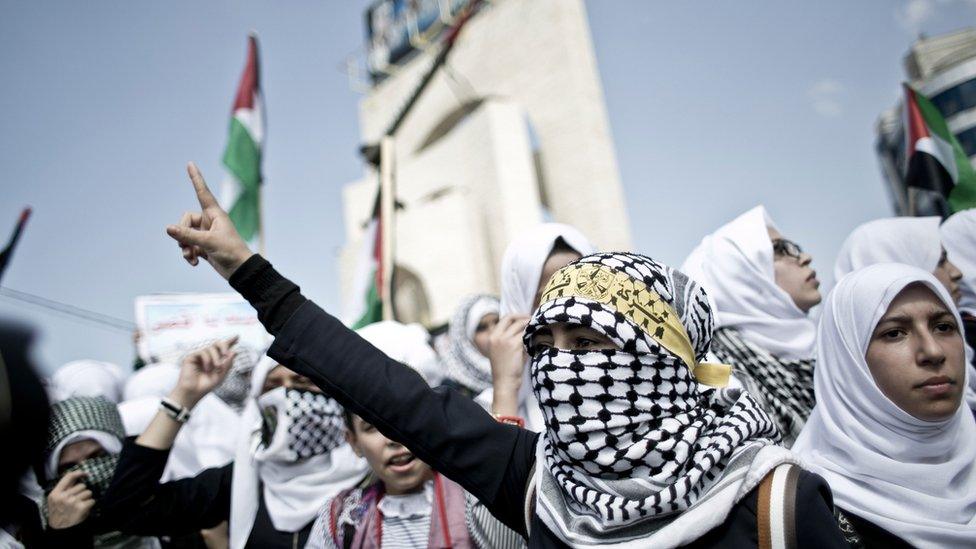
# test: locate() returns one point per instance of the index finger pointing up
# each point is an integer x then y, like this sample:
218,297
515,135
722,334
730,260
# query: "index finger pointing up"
204,195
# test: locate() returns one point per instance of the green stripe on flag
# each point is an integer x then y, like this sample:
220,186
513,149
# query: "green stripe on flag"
374,308
243,161
963,194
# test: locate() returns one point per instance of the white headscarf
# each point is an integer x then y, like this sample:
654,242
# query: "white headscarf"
910,240
523,261
735,266
959,239
89,378
293,492
155,380
406,343
913,478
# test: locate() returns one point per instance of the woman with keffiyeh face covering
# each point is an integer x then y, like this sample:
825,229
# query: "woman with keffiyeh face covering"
84,439
291,456
636,451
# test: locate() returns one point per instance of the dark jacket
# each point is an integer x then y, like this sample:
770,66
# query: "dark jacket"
137,503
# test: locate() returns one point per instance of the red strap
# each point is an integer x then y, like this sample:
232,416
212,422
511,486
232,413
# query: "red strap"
379,521
441,510
333,518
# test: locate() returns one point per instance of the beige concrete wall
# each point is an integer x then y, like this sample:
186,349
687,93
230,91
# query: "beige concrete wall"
463,198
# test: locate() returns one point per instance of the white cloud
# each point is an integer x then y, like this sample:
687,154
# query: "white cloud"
825,95
913,13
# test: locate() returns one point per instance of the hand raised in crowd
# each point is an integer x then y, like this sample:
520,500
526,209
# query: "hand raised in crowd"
202,371
508,358
209,233
70,502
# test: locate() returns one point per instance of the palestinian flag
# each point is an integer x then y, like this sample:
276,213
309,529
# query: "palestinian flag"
366,306
936,161
242,157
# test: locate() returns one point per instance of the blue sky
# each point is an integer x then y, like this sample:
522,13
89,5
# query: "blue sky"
713,108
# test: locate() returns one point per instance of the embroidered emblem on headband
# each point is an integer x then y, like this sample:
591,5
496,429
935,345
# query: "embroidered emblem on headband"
642,305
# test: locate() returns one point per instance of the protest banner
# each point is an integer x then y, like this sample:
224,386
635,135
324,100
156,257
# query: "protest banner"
172,325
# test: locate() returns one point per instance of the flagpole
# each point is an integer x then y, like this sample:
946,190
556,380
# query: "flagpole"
8,250
261,222
387,223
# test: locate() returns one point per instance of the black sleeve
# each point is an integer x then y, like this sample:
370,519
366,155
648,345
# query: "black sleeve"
816,526
79,536
454,435
137,503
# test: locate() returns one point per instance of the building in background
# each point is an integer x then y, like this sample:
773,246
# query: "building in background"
943,68
510,132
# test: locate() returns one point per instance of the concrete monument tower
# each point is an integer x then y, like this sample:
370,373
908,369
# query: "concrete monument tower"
510,132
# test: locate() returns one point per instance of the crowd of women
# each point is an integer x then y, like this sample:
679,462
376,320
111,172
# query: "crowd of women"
606,399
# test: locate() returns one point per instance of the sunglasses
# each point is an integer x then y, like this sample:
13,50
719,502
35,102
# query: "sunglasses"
787,248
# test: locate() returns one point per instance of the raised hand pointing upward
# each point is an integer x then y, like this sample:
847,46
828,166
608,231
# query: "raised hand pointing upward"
209,233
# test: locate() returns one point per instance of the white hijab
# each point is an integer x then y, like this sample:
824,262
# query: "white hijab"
155,380
90,378
293,492
914,478
735,266
406,343
523,261
959,239
910,240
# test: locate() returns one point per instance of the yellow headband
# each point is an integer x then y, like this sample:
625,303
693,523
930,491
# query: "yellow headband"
642,305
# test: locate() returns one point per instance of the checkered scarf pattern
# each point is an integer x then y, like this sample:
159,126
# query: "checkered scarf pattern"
83,414
783,387
316,425
630,435
465,364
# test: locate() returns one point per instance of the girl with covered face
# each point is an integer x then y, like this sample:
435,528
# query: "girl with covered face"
291,455
635,451
85,437
762,287
889,432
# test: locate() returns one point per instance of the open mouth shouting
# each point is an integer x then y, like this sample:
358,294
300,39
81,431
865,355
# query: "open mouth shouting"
402,462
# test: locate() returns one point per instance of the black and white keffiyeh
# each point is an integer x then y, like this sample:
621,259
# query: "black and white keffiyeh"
465,364
783,387
316,423
633,441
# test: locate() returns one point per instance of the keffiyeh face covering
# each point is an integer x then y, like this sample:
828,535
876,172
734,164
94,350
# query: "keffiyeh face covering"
236,386
298,424
632,435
